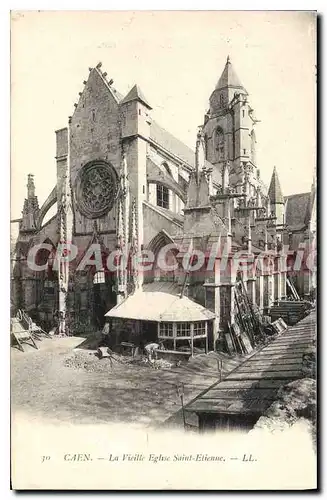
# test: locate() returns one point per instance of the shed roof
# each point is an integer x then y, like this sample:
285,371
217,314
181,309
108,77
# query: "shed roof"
160,306
253,385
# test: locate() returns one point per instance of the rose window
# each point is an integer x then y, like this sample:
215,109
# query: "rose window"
96,189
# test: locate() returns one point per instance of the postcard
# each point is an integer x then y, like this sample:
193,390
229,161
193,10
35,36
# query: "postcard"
163,250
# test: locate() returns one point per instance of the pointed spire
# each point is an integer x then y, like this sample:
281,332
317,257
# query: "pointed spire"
229,77
275,191
136,94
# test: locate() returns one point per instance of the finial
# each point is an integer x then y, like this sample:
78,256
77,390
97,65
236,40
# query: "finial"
30,186
228,60
98,66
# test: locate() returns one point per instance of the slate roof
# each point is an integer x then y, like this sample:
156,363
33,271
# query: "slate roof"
160,135
275,191
229,77
296,210
136,94
165,139
159,306
169,142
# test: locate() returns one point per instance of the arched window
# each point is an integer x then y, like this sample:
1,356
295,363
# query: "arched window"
253,143
220,144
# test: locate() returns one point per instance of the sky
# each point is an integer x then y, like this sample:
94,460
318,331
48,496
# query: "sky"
176,58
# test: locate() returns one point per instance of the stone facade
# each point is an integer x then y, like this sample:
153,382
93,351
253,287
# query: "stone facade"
124,182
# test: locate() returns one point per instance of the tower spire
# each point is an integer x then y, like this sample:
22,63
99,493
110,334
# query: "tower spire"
275,191
229,78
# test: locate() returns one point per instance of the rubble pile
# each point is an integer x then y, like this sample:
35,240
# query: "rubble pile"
309,363
295,401
88,361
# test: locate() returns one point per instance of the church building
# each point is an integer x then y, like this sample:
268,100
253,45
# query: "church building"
128,186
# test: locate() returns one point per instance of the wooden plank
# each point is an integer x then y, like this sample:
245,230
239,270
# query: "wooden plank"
279,361
292,347
276,357
273,368
203,405
265,374
278,354
287,351
299,343
237,393
299,333
243,384
301,338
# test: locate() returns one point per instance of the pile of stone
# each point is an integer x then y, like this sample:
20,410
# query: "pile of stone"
88,361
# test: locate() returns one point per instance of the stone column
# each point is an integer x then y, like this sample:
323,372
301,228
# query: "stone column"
65,214
212,298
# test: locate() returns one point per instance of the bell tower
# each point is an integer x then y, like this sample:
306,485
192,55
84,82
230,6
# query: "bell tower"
229,127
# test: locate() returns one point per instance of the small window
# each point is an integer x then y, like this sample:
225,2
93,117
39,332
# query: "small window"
166,329
244,151
243,113
199,328
162,196
99,277
183,330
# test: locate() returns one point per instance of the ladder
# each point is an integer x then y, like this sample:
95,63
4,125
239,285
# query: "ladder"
293,289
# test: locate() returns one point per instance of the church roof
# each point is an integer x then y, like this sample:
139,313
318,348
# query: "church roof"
160,135
169,142
229,77
136,94
296,210
165,139
275,191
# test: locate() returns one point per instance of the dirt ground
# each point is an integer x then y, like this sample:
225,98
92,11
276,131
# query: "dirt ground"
61,383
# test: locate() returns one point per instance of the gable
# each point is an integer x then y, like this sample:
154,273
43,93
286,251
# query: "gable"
94,127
